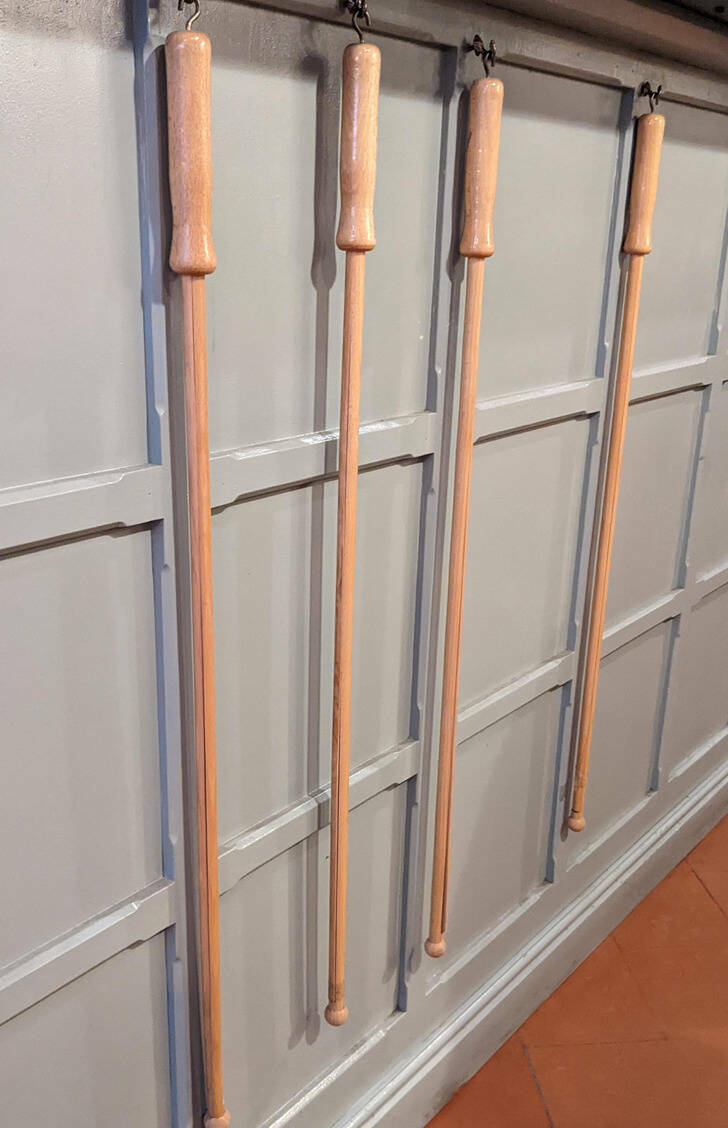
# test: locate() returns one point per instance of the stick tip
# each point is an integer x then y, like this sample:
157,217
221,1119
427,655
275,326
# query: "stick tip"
336,1014
435,948
576,821
218,1121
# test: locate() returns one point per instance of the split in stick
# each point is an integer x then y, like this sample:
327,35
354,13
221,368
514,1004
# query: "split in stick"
355,235
481,168
192,256
637,244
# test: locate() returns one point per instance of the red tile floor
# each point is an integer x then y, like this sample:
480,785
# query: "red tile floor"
637,1037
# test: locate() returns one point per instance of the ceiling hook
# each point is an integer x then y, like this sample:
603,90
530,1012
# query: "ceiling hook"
359,11
487,55
646,91
195,14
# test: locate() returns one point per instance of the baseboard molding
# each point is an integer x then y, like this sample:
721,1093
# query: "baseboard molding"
411,1094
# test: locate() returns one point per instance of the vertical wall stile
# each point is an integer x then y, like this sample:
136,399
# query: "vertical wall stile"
153,228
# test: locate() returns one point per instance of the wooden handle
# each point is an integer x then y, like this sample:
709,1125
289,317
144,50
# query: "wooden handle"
637,243
435,943
360,94
600,591
481,167
203,647
643,193
192,255
187,55
337,1012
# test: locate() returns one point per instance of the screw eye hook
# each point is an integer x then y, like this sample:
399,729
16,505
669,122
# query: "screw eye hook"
487,55
359,11
646,91
195,14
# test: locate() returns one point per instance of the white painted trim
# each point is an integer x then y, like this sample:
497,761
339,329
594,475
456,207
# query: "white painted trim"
419,1085
51,967
240,855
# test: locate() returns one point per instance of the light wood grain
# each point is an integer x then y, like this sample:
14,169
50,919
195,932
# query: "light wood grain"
638,243
643,191
198,462
435,944
187,57
192,256
360,92
358,157
481,167
337,1011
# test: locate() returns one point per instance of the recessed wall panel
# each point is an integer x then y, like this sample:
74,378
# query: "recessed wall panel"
95,1052
709,539
698,702
501,812
80,801
275,567
654,502
522,542
682,275
274,949
545,283
276,299
70,322
623,747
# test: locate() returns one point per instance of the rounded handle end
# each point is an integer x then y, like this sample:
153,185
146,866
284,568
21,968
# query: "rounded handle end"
192,251
435,948
360,95
218,1121
481,167
643,193
336,1014
576,822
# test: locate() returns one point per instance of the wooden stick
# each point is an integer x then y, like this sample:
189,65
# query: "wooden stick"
355,235
192,255
481,168
637,244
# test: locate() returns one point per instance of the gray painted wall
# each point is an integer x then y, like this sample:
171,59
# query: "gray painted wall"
97,980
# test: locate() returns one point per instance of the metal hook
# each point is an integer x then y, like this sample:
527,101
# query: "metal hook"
486,54
359,11
646,91
195,14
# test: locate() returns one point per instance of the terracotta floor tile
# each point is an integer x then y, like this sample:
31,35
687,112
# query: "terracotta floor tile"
641,1085
637,1036
679,911
503,1094
709,860
714,847
615,1009
716,883
686,988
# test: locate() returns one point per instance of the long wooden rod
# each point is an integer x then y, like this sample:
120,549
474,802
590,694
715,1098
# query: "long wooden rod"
355,235
637,244
481,169
192,255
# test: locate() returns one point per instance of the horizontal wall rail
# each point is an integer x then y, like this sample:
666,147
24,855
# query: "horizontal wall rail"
44,511
244,853
51,967
238,473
